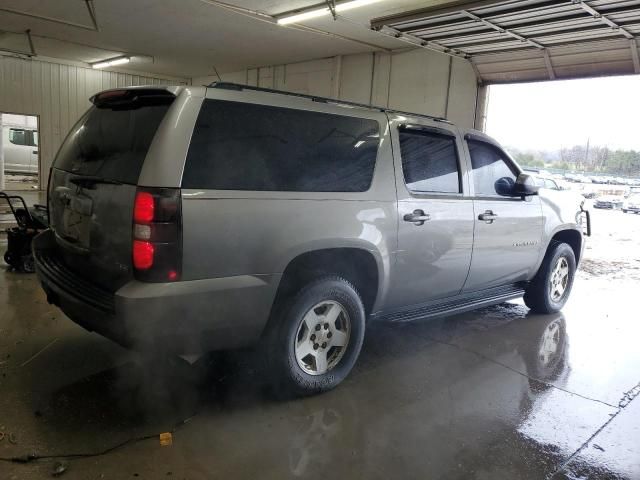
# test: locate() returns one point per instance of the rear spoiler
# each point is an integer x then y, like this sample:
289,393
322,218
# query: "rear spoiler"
131,98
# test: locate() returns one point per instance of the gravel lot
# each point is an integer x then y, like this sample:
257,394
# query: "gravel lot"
614,248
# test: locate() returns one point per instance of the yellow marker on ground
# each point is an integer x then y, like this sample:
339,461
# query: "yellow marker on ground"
166,439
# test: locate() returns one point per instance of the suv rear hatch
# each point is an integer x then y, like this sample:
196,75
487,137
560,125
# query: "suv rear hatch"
94,179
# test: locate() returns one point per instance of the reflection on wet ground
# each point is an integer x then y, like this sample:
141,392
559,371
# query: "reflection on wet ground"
494,394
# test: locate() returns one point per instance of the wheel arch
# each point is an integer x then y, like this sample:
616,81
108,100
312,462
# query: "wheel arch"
358,266
571,237
567,234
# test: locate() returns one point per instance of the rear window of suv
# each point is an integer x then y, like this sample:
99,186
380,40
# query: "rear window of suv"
244,146
111,143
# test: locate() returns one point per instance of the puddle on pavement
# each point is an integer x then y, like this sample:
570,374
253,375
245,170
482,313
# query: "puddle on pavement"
496,393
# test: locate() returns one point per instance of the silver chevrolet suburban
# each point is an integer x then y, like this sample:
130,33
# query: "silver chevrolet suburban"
192,219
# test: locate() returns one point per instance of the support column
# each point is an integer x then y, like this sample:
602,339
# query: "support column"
482,101
337,77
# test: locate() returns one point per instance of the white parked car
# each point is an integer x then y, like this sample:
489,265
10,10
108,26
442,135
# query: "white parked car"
632,204
547,182
20,145
611,202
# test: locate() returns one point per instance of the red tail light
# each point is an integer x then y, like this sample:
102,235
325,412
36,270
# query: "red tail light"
143,208
142,255
157,234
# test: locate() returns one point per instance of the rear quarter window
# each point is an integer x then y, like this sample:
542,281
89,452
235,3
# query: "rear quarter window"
429,162
244,146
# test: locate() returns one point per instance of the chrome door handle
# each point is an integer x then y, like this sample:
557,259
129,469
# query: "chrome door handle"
488,216
418,217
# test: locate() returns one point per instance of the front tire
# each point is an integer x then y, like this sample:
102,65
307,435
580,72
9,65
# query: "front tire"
315,337
551,287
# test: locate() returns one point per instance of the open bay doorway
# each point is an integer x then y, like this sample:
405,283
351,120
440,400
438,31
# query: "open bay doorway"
20,158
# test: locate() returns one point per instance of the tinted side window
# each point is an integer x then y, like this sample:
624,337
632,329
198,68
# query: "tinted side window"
18,136
429,162
243,146
489,165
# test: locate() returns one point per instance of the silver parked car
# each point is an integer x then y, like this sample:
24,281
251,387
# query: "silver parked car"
190,219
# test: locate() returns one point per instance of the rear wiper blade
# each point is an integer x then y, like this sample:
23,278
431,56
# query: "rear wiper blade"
88,182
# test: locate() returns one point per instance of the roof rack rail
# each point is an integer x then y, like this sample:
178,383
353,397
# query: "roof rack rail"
314,98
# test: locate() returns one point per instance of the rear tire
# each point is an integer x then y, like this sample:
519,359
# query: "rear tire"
551,287
314,337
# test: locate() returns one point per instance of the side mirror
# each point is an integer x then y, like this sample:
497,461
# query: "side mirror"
525,186
505,186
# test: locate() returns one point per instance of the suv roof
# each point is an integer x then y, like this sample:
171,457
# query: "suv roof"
314,98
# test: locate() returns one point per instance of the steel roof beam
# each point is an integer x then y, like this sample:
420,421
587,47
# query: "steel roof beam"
497,8
461,42
500,29
430,14
553,25
420,42
603,18
553,48
417,15
556,27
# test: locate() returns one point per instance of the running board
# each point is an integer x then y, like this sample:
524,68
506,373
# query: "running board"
454,305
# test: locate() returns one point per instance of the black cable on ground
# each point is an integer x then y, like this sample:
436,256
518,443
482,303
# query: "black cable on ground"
31,457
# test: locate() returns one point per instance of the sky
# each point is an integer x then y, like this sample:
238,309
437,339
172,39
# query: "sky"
551,115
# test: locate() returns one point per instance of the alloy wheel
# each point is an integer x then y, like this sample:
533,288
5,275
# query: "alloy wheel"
559,279
322,337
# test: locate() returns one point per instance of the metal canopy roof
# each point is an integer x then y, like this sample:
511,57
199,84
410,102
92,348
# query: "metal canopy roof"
527,40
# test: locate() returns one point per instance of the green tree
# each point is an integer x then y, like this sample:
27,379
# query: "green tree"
624,162
528,160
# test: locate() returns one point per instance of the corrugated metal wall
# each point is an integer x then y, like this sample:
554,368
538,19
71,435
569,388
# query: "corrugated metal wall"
419,81
58,94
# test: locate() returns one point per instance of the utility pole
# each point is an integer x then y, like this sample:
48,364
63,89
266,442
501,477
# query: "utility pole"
586,155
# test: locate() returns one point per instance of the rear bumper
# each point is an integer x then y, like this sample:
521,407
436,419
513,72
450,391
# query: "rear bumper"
181,317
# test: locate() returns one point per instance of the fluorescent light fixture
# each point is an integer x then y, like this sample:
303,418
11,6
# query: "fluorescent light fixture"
112,62
320,11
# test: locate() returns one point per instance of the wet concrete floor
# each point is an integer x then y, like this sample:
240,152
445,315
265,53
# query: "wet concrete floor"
494,394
